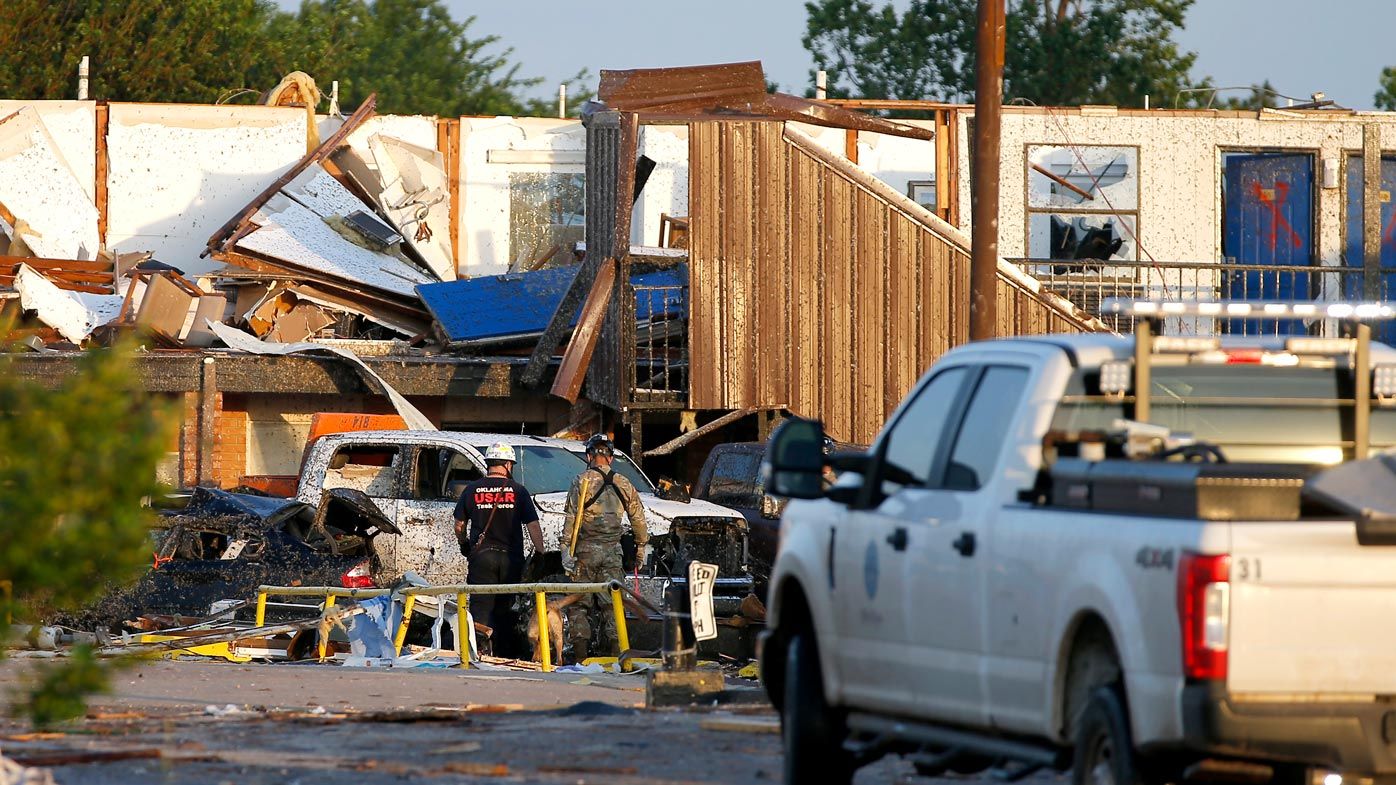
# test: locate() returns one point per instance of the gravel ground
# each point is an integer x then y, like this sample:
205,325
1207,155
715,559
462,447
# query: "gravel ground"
313,724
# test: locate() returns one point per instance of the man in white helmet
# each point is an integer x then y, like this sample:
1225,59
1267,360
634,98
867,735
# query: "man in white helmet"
496,510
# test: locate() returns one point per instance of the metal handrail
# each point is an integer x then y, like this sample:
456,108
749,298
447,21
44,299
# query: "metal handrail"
462,592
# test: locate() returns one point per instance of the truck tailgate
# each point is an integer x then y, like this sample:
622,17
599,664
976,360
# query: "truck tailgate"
1310,612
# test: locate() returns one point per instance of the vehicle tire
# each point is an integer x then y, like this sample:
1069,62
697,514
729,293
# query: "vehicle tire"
1105,752
812,732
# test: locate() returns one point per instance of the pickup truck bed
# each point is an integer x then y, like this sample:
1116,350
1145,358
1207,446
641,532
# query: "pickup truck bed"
1017,561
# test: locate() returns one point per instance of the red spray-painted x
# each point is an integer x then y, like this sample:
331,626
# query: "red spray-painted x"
1277,219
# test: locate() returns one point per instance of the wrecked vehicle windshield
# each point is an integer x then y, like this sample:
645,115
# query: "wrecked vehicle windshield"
632,473
545,469
551,469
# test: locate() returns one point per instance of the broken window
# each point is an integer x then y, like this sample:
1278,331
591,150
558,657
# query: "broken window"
442,473
734,480
368,468
547,216
1083,204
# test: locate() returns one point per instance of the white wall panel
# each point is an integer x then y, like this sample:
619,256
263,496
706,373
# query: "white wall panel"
178,172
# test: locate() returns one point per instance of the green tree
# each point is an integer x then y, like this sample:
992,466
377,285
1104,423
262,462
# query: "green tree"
412,53
140,50
1058,51
79,459
1386,89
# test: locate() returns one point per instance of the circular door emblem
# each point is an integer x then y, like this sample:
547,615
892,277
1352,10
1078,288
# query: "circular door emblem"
870,569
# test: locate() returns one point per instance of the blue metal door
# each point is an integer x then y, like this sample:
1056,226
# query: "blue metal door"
1353,255
1268,216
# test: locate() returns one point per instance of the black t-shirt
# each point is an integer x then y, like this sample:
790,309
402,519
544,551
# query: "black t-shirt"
511,507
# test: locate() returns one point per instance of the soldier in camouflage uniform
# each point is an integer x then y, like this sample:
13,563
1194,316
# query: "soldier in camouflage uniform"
591,533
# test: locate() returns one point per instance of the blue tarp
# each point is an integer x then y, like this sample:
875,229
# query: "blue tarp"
519,305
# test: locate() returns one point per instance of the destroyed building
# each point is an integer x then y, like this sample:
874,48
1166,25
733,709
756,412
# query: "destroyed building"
724,254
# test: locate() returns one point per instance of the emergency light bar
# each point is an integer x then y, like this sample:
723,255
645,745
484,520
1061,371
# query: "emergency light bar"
1250,309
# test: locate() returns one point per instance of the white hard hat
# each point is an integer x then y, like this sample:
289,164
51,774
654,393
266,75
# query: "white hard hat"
499,451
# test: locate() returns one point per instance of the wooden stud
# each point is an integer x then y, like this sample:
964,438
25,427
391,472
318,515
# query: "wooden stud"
100,183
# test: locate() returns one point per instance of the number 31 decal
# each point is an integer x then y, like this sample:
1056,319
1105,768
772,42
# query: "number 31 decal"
1245,569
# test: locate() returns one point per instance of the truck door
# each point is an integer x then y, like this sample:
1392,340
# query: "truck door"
946,569
426,516
376,470
871,549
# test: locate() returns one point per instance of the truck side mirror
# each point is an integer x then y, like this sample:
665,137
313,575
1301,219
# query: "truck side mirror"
794,462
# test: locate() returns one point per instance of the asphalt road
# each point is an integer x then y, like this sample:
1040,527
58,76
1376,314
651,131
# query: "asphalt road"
311,724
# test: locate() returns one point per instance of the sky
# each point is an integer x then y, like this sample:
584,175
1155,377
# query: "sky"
1338,47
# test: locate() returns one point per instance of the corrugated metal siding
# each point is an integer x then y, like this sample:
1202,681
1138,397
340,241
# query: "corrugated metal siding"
812,291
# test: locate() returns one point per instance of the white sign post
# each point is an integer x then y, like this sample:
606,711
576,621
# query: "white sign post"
701,579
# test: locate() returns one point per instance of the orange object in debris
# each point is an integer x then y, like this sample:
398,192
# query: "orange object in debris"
283,485
326,423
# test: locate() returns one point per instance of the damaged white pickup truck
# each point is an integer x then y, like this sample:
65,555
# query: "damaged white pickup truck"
1157,561
415,478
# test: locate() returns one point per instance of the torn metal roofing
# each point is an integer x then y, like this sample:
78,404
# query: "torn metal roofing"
729,91
472,311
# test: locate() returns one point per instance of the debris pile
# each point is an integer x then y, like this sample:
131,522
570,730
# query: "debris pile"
334,248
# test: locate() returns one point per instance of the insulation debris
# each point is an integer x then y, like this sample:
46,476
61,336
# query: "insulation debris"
73,314
416,196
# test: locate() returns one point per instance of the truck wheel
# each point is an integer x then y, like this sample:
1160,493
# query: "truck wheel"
811,731
1104,749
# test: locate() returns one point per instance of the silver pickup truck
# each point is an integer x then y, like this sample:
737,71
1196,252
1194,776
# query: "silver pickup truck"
1145,560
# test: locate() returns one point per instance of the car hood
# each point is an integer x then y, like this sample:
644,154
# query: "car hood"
659,513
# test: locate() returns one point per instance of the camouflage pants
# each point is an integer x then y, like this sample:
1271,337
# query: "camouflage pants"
596,563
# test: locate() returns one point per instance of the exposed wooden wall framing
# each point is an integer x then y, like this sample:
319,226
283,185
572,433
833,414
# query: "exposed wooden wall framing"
817,287
100,184
448,144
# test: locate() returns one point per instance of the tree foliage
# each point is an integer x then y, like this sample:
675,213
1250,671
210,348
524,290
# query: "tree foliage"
78,461
141,50
1058,51
1386,89
411,52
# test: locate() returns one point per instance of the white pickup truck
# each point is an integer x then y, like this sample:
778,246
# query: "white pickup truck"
415,478
1021,574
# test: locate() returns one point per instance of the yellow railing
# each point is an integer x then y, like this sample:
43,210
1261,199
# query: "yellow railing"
540,591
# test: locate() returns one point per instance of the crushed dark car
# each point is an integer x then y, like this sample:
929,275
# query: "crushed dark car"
221,546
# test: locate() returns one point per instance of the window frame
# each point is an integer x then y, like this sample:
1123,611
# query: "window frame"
399,466
414,479
943,456
872,495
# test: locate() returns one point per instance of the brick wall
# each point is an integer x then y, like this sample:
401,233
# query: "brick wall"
189,441
229,446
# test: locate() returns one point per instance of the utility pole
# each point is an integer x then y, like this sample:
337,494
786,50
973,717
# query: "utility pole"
988,102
